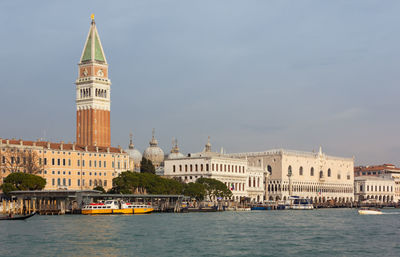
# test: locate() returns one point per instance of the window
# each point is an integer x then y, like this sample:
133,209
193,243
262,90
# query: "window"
53,172
79,162
53,182
105,166
58,181
301,171
90,182
58,162
207,167
90,163
338,176
64,182
269,168
321,174
105,183
329,172
83,163
52,161
99,164
69,162
191,167
290,170
173,168
312,171
63,162
95,163
79,182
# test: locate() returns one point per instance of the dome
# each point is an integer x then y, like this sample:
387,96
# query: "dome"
175,154
154,153
134,154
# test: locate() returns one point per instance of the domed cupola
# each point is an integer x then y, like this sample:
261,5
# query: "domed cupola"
154,153
175,154
134,155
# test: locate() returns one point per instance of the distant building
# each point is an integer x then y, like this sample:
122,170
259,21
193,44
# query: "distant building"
317,176
385,173
375,189
242,180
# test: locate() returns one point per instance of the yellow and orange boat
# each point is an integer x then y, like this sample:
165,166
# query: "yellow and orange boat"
116,207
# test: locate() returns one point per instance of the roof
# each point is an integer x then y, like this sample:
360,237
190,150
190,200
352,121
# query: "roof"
93,50
372,178
376,168
60,146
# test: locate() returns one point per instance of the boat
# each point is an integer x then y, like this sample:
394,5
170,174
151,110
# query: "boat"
18,217
369,211
116,207
296,203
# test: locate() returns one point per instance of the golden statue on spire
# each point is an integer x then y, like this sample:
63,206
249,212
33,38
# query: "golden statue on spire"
92,16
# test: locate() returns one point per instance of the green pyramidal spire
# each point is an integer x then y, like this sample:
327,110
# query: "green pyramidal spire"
93,51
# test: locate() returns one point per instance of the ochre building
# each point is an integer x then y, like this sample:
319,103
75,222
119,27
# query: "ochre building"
66,166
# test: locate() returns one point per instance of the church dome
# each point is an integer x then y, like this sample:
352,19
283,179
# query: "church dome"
154,153
175,154
134,154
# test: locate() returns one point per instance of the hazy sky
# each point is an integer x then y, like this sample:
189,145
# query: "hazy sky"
252,75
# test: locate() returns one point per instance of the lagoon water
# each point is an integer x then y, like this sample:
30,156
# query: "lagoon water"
323,232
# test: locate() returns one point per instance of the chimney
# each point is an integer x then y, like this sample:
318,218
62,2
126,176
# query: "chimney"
97,149
73,146
108,149
86,148
62,145
7,142
21,142
48,145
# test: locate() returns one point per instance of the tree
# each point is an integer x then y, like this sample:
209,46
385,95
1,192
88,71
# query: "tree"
214,188
195,190
142,183
15,159
146,166
100,188
22,181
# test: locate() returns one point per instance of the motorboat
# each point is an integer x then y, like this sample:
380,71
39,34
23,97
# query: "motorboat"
369,211
116,207
296,203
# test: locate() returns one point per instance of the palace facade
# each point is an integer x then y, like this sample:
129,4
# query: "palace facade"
316,176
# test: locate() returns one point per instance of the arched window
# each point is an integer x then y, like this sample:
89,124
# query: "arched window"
173,168
329,172
201,167
312,171
249,182
301,171
207,167
191,167
186,167
254,182
321,174
180,167
258,182
290,170
269,169
196,168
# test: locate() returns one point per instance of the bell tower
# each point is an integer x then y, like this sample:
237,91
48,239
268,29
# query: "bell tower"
93,94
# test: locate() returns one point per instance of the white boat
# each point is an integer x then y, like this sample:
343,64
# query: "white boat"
369,212
297,203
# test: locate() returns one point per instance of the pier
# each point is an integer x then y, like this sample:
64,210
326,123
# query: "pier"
60,202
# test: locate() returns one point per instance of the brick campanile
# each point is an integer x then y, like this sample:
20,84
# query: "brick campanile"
93,94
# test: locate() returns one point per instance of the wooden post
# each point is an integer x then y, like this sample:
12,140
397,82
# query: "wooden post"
34,205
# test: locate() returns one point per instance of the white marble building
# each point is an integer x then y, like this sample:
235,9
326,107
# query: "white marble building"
375,189
317,176
244,181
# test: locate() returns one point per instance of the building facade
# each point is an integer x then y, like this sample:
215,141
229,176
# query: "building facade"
375,189
93,94
242,180
315,176
66,166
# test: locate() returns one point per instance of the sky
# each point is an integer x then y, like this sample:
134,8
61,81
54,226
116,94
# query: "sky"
253,75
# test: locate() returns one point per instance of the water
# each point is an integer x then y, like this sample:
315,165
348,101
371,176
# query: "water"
325,232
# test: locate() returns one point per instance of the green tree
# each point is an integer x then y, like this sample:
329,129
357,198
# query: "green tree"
22,181
195,190
146,166
100,188
214,188
132,182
